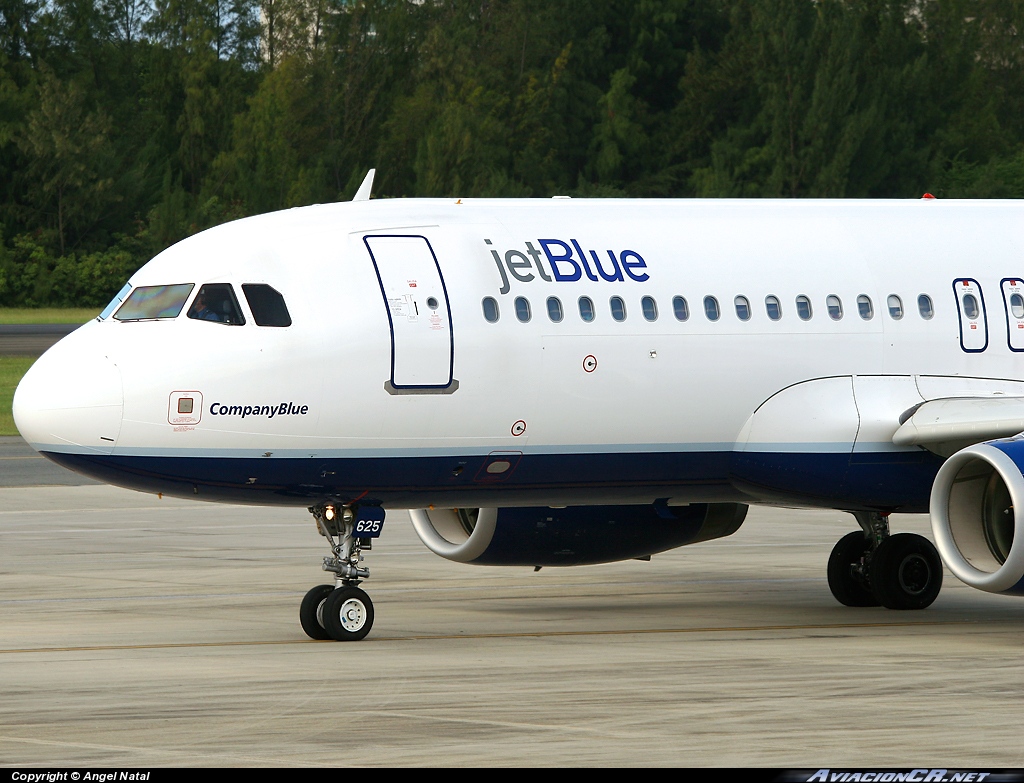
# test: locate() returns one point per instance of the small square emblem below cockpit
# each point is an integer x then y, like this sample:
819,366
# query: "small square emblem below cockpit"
185,408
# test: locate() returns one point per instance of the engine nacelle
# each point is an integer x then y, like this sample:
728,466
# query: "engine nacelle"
972,509
576,535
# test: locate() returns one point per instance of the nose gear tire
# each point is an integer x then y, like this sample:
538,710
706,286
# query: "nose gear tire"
347,614
310,612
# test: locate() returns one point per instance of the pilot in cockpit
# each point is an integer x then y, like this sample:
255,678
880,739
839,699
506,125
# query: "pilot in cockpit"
200,310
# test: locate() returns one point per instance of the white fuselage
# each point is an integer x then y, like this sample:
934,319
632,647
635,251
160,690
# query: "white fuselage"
373,390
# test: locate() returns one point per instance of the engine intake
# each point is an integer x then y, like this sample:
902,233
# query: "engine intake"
576,535
973,502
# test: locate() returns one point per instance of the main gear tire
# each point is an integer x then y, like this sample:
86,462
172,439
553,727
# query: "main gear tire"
906,572
846,569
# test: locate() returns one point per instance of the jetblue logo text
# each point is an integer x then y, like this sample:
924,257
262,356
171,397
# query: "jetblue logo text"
567,262
284,409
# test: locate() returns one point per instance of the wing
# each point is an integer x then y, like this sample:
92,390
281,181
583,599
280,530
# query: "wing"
946,426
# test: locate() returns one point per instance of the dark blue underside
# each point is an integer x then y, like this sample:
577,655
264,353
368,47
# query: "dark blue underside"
886,482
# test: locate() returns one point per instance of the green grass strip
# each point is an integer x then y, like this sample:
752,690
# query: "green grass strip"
11,370
47,315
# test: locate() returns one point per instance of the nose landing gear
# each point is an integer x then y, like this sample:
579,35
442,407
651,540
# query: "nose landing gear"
342,611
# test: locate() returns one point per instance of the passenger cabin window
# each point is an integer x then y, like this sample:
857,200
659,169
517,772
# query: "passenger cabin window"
924,306
803,308
773,307
711,308
835,307
895,307
586,308
680,308
554,309
650,308
742,308
618,307
490,309
216,302
864,307
151,302
522,309
267,305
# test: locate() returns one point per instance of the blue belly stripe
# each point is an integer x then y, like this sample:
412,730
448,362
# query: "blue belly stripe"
887,481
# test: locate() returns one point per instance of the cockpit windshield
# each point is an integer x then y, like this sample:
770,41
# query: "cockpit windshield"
267,305
154,301
216,302
115,302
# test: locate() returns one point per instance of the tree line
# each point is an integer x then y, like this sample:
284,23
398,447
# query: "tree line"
126,125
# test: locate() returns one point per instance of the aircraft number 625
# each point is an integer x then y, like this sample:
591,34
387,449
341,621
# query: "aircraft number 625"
368,528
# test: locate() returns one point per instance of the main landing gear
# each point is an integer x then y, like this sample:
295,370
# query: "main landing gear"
342,611
873,568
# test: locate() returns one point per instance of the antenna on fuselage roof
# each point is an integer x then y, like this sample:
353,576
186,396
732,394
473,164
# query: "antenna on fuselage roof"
363,194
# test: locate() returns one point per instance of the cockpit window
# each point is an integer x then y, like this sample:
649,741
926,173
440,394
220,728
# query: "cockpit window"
115,302
154,301
267,305
216,302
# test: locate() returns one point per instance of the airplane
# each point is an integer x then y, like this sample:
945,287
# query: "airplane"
556,382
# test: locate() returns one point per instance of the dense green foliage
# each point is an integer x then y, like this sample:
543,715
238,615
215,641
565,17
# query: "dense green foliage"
12,368
126,125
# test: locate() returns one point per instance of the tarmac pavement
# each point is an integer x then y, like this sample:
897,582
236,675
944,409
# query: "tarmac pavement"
144,632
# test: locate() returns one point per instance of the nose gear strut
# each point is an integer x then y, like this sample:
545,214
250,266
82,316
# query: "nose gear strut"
347,552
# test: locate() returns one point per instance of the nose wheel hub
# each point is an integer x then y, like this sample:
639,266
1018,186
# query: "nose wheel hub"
353,615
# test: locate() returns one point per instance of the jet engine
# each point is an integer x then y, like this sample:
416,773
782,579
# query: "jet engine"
973,500
575,535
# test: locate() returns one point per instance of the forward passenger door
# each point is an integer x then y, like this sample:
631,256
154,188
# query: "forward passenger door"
414,293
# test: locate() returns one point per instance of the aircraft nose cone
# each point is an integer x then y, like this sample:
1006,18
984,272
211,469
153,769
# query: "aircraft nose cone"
71,399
